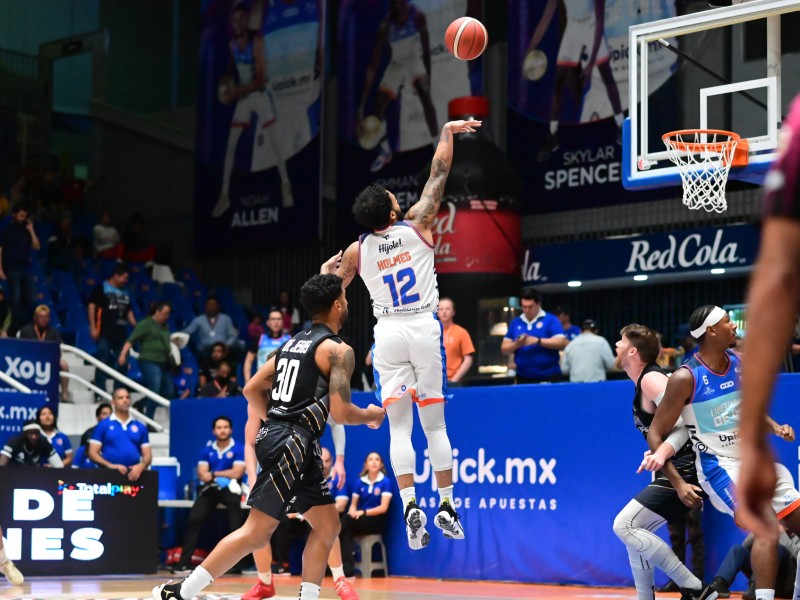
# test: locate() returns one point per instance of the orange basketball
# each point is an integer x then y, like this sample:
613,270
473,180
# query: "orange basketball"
466,38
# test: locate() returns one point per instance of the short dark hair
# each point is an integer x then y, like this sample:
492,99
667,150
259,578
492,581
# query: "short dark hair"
120,269
698,318
530,293
372,207
213,297
100,408
221,418
563,310
39,415
644,339
157,306
118,389
215,344
319,293
20,207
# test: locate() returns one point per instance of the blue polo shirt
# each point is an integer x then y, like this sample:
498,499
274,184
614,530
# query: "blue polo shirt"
572,332
221,460
121,443
536,362
333,486
81,460
60,443
370,494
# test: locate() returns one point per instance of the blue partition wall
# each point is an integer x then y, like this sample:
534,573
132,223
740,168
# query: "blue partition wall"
541,473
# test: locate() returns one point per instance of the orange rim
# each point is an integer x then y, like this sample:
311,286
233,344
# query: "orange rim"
698,147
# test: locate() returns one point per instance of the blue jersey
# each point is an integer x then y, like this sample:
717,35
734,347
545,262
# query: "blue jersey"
712,412
222,460
81,459
266,344
370,494
60,443
121,443
333,486
536,361
572,332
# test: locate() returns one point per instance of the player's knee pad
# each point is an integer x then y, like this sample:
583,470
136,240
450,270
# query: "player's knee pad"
440,452
402,454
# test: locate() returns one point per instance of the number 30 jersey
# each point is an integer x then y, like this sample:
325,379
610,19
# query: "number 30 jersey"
396,265
300,391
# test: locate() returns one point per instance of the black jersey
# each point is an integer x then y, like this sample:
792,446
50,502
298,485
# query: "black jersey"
20,452
643,419
300,390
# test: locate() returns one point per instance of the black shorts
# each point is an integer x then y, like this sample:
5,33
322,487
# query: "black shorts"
662,499
291,477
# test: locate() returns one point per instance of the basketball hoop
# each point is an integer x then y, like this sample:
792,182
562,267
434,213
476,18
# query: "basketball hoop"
704,158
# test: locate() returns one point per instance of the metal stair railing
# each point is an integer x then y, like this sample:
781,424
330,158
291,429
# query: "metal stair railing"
15,384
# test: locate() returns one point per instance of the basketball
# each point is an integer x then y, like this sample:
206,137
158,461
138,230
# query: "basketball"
466,38
535,65
369,132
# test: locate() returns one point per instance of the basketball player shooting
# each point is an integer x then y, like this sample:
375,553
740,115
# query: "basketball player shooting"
252,96
395,261
585,21
405,29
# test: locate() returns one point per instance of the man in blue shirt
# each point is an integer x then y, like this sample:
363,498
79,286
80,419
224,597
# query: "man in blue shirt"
219,469
121,442
535,338
565,318
212,327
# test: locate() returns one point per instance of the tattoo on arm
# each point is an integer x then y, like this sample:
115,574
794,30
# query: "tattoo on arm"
342,365
347,270
426,209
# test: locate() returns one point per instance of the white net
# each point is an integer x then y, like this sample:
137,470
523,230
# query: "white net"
704,161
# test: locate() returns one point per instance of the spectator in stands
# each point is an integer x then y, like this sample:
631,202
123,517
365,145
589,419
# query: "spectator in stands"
60,442
255,329
261,348
5,312
587,357
137,248
219,471
211,328
81,459
121,442
41,330
341,496
30,449
152,336
534,339
738,560
291,316
64,251
368,505
110,313
687,345
223,384
570,330
17,241
457,344
107,242
209,366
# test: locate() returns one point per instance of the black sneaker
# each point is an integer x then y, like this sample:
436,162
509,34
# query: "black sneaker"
670,588
549,145
418,536
180,570
706,593
168,591
281,569
750,594
722,587
449,521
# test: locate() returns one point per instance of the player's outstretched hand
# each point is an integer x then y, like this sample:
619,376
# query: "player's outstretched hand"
377,414
755,489
651,462
463,126
786,432
330,266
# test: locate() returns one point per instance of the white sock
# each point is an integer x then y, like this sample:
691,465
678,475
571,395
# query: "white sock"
643,576
337,572
3,557
666,560
407,495
446,493
618,119
265,578
194,583
765,594
553,127
309,591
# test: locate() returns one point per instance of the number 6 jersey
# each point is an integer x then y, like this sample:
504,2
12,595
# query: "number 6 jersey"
299,393
396,265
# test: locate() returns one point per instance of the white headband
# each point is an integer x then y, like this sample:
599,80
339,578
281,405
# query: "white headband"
714,317
32,427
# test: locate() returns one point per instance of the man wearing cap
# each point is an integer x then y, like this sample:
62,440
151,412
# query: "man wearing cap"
41,330
588,356
29,448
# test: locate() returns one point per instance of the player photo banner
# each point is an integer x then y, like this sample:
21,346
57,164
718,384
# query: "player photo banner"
258,166
395,79
568,93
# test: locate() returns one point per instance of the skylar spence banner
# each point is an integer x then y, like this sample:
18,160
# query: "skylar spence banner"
258,172
568,91
395,80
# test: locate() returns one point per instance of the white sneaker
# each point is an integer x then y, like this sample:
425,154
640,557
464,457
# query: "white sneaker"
222,205
383,159
286,194
449,522
12,573
418,537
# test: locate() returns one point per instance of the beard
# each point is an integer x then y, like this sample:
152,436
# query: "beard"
343,318
618,362
400,215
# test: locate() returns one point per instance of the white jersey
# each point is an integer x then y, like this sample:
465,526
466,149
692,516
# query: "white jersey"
396,265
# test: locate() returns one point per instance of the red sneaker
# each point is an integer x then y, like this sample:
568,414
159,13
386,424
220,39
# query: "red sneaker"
259,591
343,589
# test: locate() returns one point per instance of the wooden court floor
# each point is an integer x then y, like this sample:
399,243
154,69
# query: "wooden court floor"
231,587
